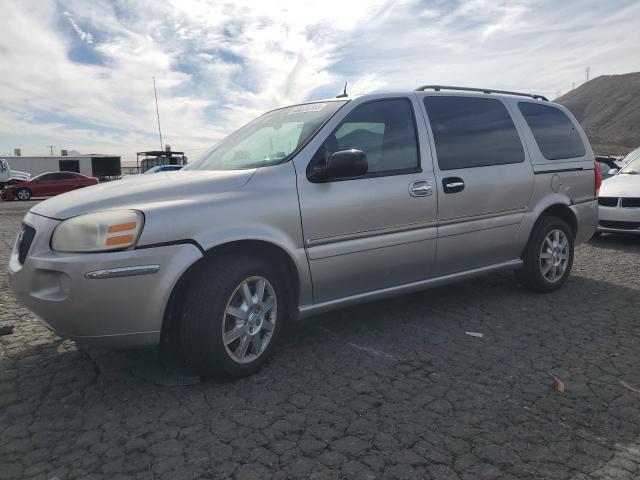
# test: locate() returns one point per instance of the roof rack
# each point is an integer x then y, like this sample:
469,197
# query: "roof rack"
437,88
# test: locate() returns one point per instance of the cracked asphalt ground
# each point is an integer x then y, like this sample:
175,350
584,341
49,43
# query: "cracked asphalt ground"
393,389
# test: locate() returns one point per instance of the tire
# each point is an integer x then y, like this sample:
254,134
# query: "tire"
547,274
23,194
217,290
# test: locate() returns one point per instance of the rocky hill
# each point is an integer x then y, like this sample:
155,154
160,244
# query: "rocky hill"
608,108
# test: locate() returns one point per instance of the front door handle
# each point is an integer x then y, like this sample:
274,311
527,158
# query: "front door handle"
420,188
452,184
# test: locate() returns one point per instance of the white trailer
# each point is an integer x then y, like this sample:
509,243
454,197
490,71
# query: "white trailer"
90,165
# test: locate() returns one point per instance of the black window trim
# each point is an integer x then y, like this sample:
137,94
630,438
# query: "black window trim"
561,159
433,138
386,173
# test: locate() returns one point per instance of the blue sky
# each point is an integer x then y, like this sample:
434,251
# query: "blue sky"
78,74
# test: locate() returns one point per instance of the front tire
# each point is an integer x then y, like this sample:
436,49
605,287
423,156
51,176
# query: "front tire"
548,257
23,194
233,315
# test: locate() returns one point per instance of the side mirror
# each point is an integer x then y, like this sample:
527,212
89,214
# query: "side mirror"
613,171
340,165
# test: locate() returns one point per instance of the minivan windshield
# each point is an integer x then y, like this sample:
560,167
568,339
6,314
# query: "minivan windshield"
632,168
269,139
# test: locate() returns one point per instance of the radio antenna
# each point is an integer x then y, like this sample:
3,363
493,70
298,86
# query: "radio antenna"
344,94
155,92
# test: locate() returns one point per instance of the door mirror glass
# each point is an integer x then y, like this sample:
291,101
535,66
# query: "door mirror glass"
340,165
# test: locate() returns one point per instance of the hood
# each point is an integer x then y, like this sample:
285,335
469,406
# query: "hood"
21,175
621,185
140,189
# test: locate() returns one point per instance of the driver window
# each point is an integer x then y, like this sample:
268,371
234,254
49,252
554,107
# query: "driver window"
384,130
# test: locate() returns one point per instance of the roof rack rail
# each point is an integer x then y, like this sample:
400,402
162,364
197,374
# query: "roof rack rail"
437,88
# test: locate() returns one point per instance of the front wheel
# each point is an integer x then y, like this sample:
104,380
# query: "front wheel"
233,315
23,194
548,257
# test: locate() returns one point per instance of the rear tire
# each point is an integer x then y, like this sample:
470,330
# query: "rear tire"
228,331
548,257
23,194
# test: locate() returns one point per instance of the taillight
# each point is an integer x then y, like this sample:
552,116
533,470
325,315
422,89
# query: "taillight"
598,177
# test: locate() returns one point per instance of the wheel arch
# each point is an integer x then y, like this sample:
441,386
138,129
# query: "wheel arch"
563,212
560,209
270,250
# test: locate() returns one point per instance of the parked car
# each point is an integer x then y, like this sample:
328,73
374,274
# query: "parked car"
163,168
609,166
9,176
47,185
619,201
309,208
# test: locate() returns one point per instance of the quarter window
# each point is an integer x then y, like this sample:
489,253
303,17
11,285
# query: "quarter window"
384,130
472,132
555,134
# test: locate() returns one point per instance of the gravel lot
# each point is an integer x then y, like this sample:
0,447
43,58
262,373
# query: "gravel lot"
393,389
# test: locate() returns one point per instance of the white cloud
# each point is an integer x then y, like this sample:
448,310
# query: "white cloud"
84,36
79,75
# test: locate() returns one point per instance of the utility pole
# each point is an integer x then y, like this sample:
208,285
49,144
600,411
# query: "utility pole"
587,72
51,149
573,86
155,92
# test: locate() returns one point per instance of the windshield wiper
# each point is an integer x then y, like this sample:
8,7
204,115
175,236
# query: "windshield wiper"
630,172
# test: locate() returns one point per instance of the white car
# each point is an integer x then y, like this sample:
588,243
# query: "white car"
619,201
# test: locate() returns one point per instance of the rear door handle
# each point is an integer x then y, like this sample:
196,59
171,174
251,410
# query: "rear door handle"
452,184
420,188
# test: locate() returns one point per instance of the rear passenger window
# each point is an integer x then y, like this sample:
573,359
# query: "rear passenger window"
65,176
383,129
555,134
472,132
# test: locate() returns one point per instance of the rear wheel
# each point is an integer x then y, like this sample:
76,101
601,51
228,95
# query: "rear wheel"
233,315
548,257
23,194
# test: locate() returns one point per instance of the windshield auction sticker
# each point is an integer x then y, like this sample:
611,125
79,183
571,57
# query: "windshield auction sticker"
311,107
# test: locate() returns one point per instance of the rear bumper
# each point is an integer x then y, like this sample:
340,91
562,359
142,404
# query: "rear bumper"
587,220
120,312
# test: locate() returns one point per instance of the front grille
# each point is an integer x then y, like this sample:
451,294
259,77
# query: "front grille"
25,240
608,201
620,225
633,202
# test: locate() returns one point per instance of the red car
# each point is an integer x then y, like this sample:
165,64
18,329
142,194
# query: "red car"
47,185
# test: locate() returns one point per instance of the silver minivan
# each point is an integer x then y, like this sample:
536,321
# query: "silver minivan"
310,208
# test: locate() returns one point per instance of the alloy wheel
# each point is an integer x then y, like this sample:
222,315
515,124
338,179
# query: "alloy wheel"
249,319
554,255
23,194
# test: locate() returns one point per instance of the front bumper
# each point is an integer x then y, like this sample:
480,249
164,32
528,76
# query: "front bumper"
120,312
619,220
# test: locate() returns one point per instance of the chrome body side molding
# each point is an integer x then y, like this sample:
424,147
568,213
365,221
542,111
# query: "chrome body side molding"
314,242
123,272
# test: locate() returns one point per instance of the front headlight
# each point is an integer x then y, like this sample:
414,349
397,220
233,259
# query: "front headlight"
98,232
